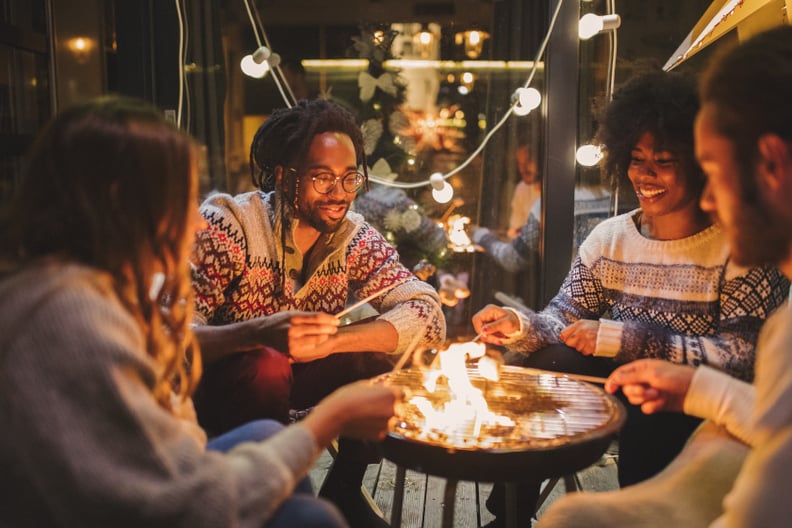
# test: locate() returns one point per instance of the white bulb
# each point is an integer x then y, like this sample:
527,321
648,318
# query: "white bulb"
443,195
252,68
589,25
527,99
442,192
588,155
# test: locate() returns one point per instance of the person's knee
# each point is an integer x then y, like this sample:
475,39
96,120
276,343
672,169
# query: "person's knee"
244,387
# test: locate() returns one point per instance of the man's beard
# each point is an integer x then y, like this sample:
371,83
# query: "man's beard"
761,235
312,216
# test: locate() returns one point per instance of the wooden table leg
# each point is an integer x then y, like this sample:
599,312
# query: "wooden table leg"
510,493
449,500
398,497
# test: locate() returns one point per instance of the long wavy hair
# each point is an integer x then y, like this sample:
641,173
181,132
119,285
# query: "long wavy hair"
110,184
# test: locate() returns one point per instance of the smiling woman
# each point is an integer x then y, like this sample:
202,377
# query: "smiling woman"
657,282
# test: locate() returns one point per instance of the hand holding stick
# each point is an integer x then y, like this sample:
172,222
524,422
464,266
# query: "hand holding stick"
371,297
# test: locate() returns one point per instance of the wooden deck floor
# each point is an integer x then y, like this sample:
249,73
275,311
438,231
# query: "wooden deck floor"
424,495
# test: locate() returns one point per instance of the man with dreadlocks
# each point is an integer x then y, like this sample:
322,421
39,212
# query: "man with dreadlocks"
273,267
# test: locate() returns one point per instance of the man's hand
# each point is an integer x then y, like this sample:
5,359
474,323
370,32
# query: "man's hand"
304,336
493,324
582,336
654,384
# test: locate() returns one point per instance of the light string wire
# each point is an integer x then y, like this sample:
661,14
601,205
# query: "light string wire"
611,5
276,70
277,73
181,52
477,151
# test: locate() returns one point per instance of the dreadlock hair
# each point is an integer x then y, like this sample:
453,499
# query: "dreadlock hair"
663,104
285,138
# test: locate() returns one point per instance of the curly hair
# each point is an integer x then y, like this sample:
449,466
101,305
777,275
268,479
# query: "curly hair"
285,138
747,110
663,104
111,184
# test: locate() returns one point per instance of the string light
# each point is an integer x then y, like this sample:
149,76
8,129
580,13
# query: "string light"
259,63
591,24
589,155
442,191
525,100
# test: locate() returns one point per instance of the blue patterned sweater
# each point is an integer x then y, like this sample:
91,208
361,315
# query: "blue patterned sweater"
679,300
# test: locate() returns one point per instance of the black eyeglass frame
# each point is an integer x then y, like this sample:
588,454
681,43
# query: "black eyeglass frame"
359,180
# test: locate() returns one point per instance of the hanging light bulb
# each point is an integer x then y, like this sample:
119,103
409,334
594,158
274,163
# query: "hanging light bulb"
472,40
591,24
424,42
442,192
525,100
588,155
259,62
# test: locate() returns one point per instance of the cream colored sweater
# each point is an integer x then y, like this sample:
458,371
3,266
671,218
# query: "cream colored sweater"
83,441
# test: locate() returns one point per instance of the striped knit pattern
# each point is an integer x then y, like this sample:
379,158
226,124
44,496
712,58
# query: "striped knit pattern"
679,300
238,273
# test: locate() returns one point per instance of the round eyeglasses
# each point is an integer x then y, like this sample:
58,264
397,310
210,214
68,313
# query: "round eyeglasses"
325,181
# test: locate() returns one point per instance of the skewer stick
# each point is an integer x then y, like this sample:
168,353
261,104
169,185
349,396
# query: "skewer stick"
576,377
410,349
371,297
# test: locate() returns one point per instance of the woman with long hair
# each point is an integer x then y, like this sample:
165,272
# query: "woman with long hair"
97,358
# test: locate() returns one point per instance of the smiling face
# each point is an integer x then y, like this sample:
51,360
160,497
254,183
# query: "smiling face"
659,183
330,152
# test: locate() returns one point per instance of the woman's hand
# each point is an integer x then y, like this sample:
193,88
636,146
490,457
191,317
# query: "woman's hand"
493,324
358,410
654,384
582,336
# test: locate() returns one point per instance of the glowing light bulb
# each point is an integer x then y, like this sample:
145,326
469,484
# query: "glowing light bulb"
526,99
591,24
442,192
259,62
588,155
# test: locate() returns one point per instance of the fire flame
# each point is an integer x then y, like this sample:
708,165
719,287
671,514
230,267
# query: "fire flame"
460,417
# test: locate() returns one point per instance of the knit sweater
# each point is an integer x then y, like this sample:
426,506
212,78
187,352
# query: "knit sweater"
239,270
84,442
523,199
760,496
592,206
679,300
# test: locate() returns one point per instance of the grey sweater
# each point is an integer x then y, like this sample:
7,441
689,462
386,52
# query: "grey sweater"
83,441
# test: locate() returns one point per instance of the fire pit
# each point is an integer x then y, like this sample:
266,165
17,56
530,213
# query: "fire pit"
525,423
558,426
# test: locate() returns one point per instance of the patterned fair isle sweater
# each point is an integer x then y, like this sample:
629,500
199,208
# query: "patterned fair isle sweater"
678,300
238,272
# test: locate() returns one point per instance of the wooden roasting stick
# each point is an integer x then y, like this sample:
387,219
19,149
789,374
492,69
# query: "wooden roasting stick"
514,303
371,297
576,377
